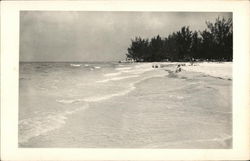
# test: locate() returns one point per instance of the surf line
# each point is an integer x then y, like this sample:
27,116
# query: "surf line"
62,117
33,127
130,88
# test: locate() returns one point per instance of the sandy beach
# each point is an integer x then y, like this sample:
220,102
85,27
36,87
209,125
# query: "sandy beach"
156,108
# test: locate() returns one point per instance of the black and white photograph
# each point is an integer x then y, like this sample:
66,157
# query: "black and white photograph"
125,79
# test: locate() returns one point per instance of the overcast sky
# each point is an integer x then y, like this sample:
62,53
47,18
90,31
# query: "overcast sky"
97,36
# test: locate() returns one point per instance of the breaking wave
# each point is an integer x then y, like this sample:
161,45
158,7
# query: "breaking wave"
75,65
32,127
117,78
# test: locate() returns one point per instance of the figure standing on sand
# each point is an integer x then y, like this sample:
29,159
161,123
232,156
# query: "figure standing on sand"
178,69
154,66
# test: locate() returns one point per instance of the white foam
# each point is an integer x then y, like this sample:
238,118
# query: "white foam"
138,69
75,65
32,127
117,78
68,101
112,74
106,97
178,97
130,88
97,67
124,68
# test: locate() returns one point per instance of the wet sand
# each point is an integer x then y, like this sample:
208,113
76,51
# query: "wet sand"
183,110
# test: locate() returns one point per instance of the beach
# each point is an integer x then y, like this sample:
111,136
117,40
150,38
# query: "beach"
123,105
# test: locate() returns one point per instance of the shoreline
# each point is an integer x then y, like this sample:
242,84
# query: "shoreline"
222,70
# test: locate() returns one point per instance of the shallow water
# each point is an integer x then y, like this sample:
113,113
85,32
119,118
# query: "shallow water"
114,105
50,92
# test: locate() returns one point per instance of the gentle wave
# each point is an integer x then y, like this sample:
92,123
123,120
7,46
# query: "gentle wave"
106,97
68,101
130,88
97,67
75,65
124,68
117,78
37,126
139,69
149,77
112,74
178,97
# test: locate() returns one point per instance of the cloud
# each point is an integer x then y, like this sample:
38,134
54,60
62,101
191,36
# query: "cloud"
96,36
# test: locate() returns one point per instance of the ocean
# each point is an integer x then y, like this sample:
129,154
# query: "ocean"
116,105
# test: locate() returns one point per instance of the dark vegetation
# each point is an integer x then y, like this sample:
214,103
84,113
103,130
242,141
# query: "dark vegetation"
213,44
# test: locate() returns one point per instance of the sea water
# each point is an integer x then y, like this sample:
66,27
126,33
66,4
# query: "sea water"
115,105
50,92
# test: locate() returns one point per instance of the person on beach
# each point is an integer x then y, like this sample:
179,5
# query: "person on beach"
154,66
178,69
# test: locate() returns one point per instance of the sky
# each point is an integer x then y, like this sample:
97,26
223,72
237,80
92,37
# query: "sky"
97,36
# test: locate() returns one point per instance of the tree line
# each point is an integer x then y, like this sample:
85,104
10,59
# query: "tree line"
215,43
